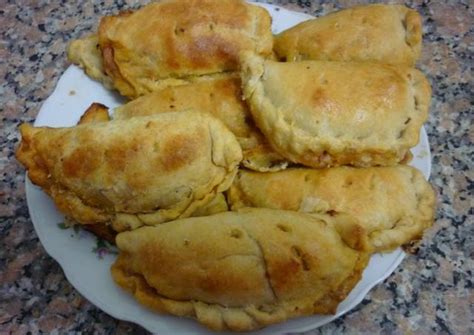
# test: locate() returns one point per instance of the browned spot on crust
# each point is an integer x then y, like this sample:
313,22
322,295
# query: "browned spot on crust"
110,67
201,52
178,151
302,257
318,97
283,272
95,113
116,156
214,47
230,88
82,162
407,158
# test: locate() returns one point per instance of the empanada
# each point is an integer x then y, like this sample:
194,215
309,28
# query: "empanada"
323,114
376,33
180,39
393,204
239,270
221,97
132,172
100,113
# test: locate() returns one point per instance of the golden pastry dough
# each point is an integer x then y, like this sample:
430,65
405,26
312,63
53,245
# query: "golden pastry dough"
86,54
107,232
100,113
180,39
393,204
239,270
377,33
95,113
323,114
165,167
220,96
217,205
83,52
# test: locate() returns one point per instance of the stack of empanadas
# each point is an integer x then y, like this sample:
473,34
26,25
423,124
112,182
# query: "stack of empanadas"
244,185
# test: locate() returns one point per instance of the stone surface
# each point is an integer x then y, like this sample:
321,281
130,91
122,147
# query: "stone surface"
430,292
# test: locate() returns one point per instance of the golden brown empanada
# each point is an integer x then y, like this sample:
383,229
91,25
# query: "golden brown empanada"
239,270
132,172
100,113
393,204
221,97
180,39
323,114
377,33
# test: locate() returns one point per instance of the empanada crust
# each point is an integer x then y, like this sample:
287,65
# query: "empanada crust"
180,39
85,53
108,232
393,204
389,34
239,271
165,167
324,114
220,96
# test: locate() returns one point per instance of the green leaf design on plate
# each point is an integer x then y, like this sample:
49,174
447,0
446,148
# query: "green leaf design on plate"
103,248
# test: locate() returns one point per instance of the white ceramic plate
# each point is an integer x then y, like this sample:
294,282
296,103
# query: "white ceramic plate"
87,268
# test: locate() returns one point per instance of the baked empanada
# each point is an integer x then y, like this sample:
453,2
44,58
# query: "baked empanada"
100,113
394,205
323,114
132,172
377,33
221,97
180,39
239,270
94,114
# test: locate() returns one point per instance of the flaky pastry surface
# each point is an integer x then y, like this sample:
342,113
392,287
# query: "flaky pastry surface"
324,114
100,113
239,271
377,33
165,167
220,96
85,53
179,39
393,204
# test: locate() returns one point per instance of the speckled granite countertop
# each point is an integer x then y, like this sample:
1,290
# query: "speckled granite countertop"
430,292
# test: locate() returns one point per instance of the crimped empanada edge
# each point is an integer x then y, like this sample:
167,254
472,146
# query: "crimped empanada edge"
242,318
